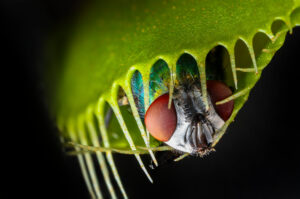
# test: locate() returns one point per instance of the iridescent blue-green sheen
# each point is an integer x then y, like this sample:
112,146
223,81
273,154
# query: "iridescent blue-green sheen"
137,89
159,80
158,85
187,70
187,73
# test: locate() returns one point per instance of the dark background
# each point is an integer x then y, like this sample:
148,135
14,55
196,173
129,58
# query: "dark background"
257,158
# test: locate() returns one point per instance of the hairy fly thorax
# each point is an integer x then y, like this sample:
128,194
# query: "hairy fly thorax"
196,125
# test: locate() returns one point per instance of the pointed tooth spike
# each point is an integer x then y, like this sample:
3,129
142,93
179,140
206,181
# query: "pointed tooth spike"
138,119
153,157
88,158
202,72
101,160
109,156
233,66
172,69
181,157
246,70
73,136
138,157
101,117
234,96
252,55
148,135
171,91
145,77
131,143
85,175
116,173
146,80
123,126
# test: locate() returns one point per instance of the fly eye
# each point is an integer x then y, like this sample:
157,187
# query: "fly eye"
161,121
219,91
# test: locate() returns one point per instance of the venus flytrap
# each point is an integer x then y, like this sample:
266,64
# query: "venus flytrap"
107,43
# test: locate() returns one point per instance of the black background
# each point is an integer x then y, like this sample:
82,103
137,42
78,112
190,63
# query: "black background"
257,158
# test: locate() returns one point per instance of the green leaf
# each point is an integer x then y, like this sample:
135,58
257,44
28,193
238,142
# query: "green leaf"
95,56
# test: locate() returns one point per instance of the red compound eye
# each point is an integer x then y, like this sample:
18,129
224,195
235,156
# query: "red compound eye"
159,120
219,91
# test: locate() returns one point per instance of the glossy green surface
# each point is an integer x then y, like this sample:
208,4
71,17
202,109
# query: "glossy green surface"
96,55
108,38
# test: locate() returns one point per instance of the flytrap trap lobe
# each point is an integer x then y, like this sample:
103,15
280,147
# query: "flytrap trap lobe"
190,124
